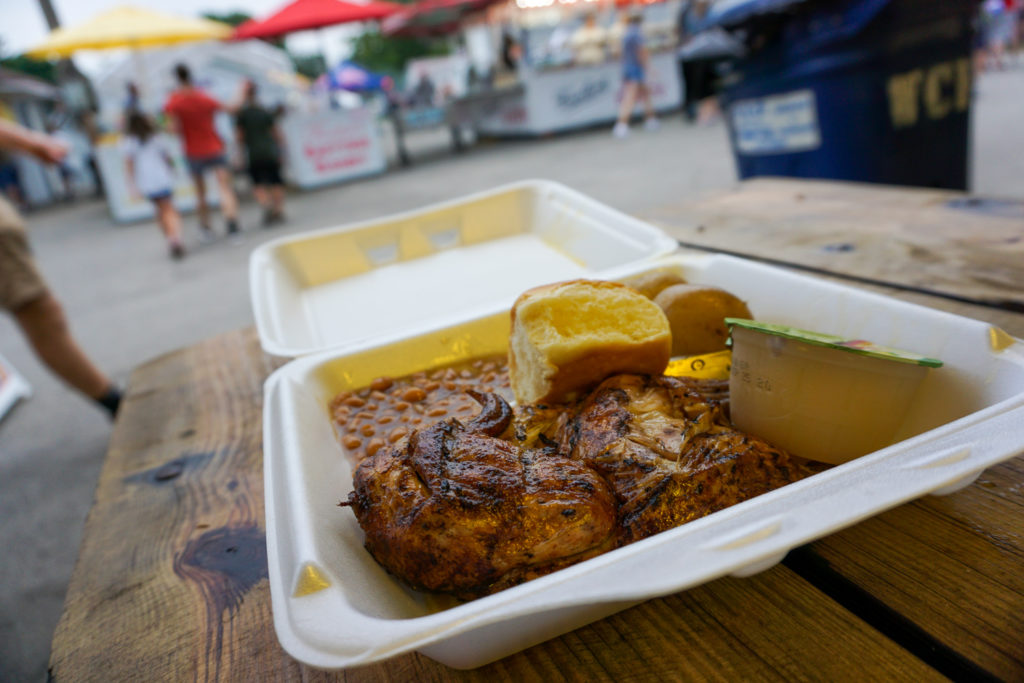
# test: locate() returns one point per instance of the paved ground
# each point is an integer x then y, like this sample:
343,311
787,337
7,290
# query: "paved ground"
128,303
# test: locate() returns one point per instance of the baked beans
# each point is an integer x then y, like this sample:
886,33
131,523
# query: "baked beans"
389,409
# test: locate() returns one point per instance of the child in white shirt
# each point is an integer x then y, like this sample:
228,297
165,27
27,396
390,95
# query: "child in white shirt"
150,171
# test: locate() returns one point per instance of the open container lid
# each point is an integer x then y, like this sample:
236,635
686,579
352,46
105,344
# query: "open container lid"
340,287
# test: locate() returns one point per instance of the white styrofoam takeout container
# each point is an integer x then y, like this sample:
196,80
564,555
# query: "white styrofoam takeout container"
335,607
436,265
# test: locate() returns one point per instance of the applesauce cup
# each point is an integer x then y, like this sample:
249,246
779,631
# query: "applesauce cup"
819,396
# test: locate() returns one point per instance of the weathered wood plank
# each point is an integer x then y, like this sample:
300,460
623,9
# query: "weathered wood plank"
896,235
950,564
173,557
769,627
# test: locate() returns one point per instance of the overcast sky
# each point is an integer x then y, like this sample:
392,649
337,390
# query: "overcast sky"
22,24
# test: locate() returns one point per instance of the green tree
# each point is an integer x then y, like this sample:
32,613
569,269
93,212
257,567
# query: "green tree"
309,66
390,54
39,68
235,18
33,67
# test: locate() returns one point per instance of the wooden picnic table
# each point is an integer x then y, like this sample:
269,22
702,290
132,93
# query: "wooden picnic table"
171,578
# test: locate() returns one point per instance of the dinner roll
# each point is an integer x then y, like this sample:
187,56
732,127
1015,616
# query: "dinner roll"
651,284
568,336
696,314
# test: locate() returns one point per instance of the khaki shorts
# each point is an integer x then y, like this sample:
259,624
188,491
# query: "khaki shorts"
20,280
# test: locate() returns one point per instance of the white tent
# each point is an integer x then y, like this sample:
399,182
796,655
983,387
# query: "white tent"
218,68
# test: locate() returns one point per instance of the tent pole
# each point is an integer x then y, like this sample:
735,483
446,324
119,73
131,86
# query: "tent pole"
139,66
323,47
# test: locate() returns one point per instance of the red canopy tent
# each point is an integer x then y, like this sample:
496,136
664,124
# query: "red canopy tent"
303,15
431,17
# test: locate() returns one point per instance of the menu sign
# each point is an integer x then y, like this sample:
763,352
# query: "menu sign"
560,99
331,146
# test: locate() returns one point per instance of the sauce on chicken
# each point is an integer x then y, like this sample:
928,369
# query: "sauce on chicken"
473,497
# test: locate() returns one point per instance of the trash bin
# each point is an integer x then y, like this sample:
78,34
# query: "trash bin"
865,90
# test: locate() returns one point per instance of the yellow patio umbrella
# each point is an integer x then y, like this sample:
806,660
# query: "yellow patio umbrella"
128,27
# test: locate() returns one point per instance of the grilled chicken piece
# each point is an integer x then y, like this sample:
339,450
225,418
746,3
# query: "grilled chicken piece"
456,510
666,448
540,425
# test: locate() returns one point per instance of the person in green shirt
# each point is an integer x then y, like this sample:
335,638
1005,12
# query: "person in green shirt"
258,134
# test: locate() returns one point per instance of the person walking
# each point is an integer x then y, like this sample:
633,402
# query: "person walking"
149,168
192,112
700,103
588,41
64,168
259,136
89,122
26,296
1001,19
635,62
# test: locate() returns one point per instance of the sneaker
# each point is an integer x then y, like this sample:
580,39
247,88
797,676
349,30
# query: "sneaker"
110,400
235,235
206,235
177,251
268,218
620,130
652,123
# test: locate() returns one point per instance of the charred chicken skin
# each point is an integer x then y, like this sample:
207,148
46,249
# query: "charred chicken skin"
457,510
666,448
472,509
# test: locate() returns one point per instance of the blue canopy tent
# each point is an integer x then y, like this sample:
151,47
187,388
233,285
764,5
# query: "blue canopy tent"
352,77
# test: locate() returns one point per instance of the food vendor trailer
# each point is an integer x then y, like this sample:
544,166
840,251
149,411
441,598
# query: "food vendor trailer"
550,90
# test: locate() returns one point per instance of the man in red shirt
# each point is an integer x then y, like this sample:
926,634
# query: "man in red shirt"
192,112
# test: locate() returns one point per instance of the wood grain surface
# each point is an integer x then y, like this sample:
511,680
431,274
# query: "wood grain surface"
171,582
951,565
173,551
931,239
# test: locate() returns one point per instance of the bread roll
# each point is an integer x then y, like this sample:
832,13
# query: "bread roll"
696,314
569,336
651,284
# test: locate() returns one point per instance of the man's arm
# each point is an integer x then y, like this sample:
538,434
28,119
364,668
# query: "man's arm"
239,132
171,124
42,147
235,105
170,121
279,139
